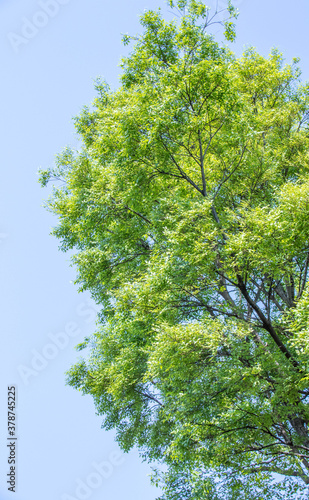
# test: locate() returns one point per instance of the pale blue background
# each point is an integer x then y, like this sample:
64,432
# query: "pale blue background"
41,88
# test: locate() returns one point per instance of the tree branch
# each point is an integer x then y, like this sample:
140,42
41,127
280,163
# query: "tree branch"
266,324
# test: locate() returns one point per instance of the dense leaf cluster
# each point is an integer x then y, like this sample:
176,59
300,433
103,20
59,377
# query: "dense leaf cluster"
188,208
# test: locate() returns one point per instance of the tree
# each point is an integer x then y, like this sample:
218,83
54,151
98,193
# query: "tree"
188,208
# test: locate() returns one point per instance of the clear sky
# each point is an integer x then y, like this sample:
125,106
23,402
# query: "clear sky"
47,75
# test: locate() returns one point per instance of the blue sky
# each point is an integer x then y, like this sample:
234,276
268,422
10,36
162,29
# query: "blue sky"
46,78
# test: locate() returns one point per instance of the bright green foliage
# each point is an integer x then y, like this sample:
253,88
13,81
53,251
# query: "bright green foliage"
188,208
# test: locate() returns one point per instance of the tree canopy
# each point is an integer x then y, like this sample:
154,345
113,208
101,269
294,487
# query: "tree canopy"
188,209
